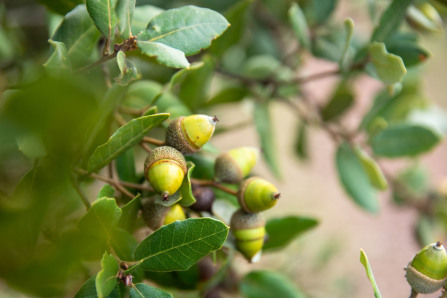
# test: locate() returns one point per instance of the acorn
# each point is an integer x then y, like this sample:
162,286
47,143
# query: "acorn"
249,231
189,134
234,165
256,194
165,168
204,198
156,215
427,272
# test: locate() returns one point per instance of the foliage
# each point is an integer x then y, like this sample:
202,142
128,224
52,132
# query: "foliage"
87,105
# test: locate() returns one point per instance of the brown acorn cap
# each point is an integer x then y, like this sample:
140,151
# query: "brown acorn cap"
175,137
241,192
227,170
242,220
165,152
421,283
153,214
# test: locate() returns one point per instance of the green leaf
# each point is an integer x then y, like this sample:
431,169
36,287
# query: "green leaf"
141,290
164,54
321,10
349,27
369,273
403,139
355,180
281,231
267,284
204,167
123,243
142,15
188,28
375,174
301,143
299,25
124,11
411,53
182,73
103,215
179,245
59,62
173,199
88,290
264,127
79,34
103,15
390,20
61,7
130,213
125,166
341,101
125,137
234,93
106,277
188,198
387,67
106,191
128,71
31,146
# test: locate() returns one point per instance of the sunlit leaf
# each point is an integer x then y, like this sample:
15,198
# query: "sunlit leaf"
125,10
188,198
387,67
375,174
59,62
164,54
106,277
369,273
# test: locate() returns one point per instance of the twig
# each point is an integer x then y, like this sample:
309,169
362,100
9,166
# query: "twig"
413,293
79,191
153,141
145,147
214,184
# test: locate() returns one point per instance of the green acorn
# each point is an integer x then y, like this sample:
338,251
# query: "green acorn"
234,165
156,215
425,18
189,134
427,272
165,168
256,194
249,232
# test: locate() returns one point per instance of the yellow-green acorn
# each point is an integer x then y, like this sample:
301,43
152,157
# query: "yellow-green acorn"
156,215
249,232
256,194
188,134
424,17
427,272
234,165
165,168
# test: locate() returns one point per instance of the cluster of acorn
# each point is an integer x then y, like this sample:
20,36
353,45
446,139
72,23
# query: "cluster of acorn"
165,169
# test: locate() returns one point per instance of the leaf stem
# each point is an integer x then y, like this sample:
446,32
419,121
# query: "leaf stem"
214,184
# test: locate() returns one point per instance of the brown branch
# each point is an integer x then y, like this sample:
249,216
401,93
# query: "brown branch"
153,141
214,184
413,294
145,147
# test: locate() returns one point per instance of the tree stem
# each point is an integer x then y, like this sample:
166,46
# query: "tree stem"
214,184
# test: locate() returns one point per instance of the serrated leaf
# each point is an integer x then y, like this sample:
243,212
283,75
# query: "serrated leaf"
124,11
31,145
106,191
364,261
106,277
142,15
164,54
79,34
188,198
125,137
387,67
141,290
59,62
267,284
103,15
375,174
391,19
188,28
128,71
264,128
281,231
179,245
403,139
299,25
102,215
355,180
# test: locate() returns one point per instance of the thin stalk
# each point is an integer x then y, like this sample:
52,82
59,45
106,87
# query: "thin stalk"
214,184
413,294
153,141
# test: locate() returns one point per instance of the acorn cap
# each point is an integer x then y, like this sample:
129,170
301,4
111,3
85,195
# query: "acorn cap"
165,152
427,271
256,194
189,134
240,220
153,214
234,165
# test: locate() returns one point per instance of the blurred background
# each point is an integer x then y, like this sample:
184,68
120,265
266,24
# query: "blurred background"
324,262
